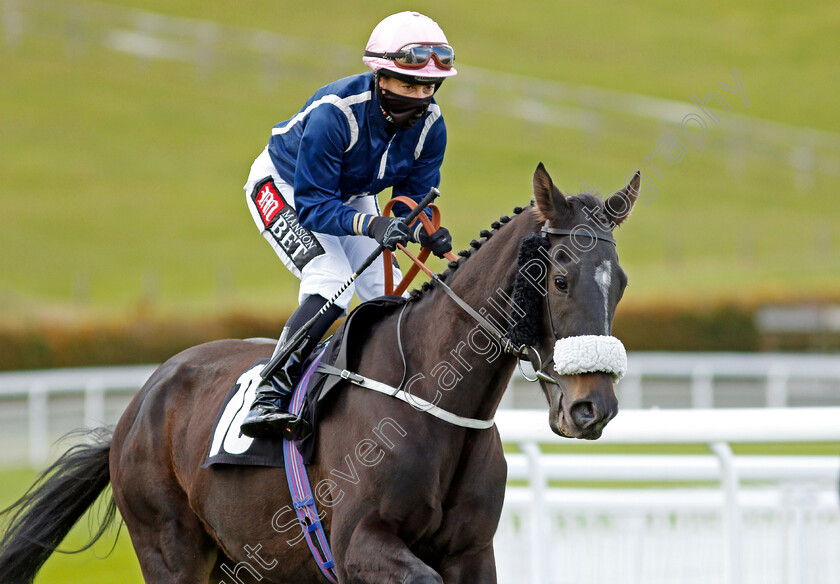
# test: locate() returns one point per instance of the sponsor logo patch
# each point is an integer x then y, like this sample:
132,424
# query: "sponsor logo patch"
281,221
268,200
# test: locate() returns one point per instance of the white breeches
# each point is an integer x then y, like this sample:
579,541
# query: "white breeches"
322,262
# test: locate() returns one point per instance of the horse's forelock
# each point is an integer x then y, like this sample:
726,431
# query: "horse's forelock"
587,209
590,200
575,203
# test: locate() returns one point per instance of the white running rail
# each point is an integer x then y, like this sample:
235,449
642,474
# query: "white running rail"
778,380
738,518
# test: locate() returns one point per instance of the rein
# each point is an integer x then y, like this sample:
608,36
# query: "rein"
430,225
498,336
521,352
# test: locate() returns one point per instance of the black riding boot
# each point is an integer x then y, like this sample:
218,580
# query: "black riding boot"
269,416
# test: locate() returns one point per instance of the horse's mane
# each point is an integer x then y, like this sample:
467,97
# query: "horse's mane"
583,199
465,254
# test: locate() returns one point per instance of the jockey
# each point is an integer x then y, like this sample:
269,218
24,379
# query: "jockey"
312,191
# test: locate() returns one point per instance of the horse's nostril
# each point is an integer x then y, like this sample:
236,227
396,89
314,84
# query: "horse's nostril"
583,413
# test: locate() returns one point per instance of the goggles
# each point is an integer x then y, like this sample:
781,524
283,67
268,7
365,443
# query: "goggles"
416,56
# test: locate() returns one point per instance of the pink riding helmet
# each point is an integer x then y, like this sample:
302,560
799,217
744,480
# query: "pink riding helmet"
399,30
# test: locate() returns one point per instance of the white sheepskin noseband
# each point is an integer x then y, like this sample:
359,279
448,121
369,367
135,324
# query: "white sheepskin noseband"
590,354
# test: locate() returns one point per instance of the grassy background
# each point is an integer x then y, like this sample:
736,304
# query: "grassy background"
121,190
90,566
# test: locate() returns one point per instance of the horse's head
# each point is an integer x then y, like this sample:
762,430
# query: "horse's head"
582,284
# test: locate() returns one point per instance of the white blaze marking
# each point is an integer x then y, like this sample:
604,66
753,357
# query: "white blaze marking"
603,277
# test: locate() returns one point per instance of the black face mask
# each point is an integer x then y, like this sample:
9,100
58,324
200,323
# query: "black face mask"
403,111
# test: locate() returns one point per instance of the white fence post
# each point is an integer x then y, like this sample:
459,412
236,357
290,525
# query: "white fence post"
540,535
38,424
732,511
631,391
702,388
777,387
713,527
94,403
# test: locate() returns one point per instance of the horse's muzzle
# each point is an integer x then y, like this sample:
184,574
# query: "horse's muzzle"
581,405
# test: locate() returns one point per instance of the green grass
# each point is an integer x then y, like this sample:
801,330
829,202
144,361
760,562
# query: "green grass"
99,565
122,179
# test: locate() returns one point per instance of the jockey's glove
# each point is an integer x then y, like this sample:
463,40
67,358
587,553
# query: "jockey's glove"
388,231
440,242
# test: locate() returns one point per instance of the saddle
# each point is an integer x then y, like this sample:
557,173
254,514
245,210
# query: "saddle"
350,334
229,446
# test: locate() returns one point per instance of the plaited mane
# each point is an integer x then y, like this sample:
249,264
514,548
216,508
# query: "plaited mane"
465,254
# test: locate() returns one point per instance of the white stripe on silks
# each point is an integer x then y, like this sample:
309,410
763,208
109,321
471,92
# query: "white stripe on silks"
342,103
590,354
384,160
363,222
603,277
434,114
354,197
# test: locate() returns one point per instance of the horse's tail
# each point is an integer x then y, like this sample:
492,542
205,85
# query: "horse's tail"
41,518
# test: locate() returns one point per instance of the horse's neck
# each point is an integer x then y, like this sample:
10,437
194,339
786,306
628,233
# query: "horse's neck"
455,354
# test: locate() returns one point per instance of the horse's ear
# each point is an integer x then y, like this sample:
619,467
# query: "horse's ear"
617,207
550,201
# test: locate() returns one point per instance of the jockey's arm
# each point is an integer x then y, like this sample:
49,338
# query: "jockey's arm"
317,173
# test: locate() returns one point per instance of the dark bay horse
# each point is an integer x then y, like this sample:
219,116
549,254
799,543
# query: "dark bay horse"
406,497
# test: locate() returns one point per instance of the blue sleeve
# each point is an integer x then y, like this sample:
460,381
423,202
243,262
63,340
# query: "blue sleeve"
426,171
318,170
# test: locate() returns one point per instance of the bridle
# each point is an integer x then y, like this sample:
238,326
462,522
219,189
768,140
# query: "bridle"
531,353
579,231
521,352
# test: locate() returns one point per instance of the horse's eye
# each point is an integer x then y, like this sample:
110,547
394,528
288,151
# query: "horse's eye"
562,283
